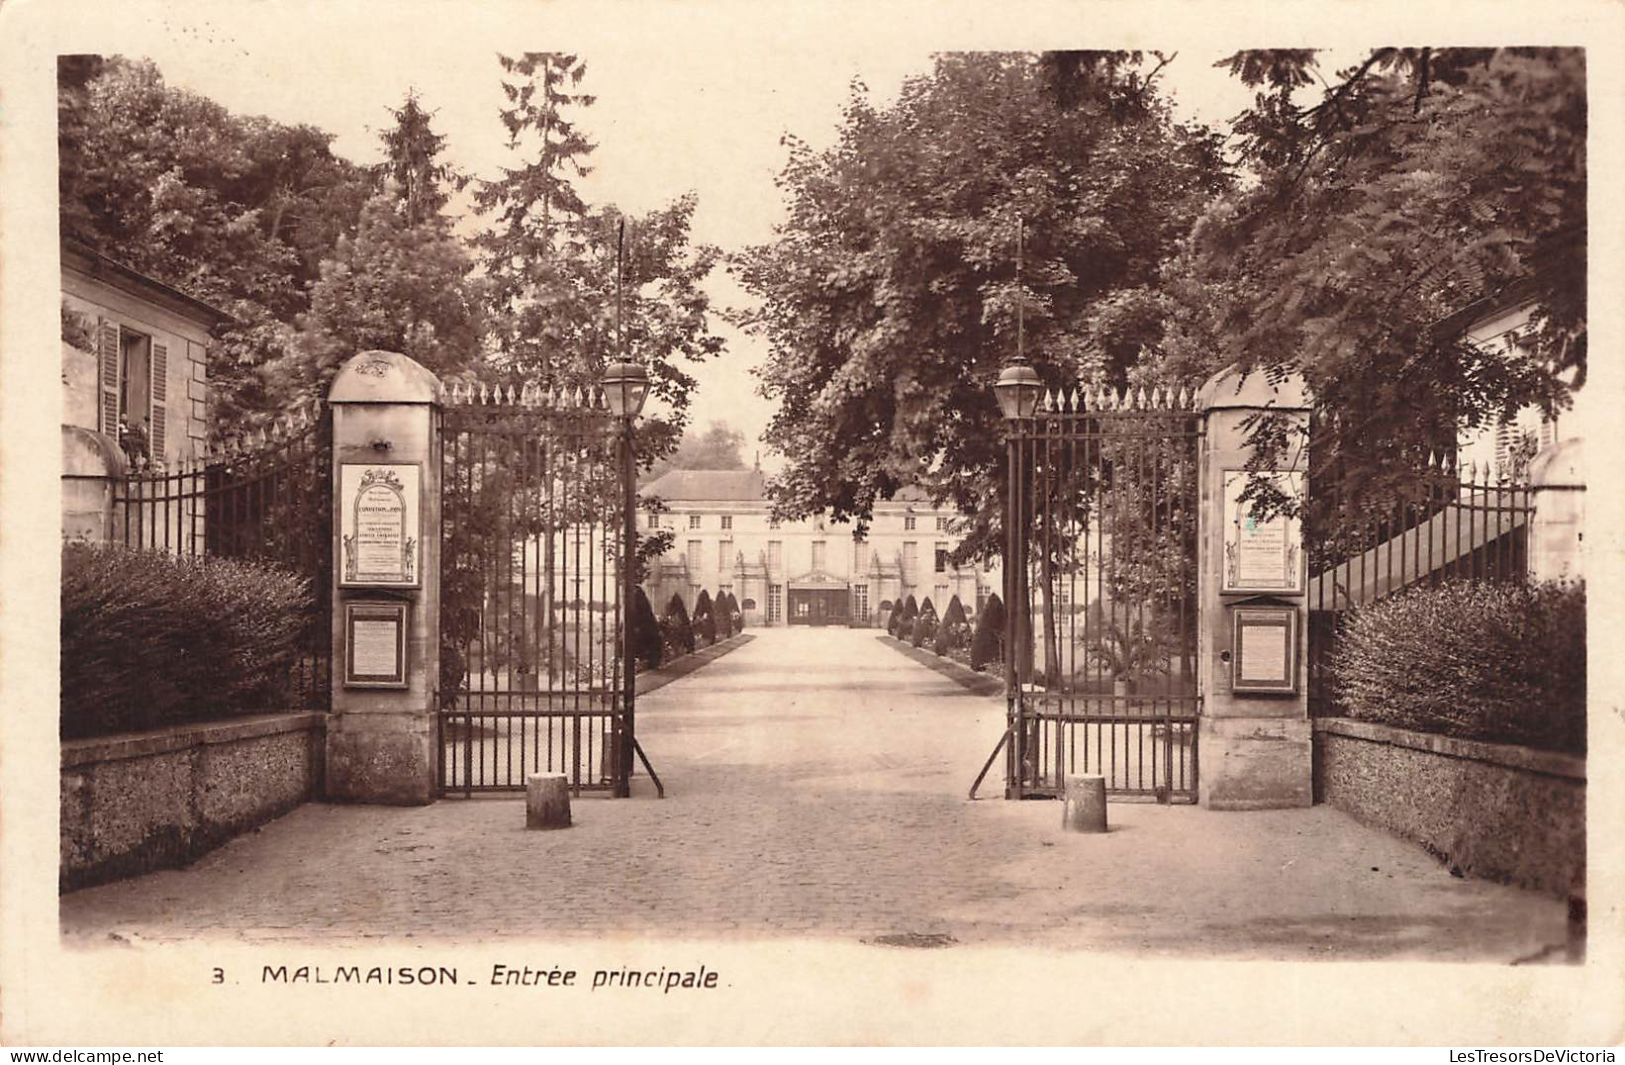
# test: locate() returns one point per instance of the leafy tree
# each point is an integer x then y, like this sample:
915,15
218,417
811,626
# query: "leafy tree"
894,617
393,285
235,211
1414,183
719,447
890,298
557,314
412,149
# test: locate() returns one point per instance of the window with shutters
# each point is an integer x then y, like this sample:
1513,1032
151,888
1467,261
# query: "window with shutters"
694,560
908,523
134,390
818,554
775,555
942,558
725,554
693,521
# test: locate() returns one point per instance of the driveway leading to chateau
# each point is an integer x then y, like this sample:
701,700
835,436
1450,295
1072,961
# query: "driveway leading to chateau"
816,786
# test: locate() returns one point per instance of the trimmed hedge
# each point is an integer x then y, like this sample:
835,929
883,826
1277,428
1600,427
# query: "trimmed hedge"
151,639
1498,662
647,643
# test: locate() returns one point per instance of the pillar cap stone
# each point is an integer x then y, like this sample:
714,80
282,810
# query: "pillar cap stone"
1561,465
86,453
1232,389
384,377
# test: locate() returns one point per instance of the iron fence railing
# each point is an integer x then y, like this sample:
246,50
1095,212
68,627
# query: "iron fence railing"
265,498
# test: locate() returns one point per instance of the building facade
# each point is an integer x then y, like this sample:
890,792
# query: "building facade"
134,357
808,572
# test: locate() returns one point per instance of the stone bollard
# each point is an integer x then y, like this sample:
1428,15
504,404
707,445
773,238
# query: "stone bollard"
1085,806
547,801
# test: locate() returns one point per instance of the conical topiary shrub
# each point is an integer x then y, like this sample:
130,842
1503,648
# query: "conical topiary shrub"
987,645
925,626
705,618
678,630
953,630
648,644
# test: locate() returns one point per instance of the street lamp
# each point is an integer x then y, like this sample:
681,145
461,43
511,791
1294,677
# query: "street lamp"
626,386
1018,389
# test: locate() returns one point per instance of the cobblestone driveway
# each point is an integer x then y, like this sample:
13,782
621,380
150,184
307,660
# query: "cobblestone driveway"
816,786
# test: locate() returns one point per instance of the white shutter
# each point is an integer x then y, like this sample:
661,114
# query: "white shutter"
159,372
107,354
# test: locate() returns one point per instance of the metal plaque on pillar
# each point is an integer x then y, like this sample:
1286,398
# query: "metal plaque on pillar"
375,644
381,520
1262,554
1264,643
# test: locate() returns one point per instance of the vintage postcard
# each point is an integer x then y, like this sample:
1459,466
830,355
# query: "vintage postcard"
898,524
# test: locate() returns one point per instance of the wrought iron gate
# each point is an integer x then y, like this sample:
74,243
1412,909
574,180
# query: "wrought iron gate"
533,670
1100,594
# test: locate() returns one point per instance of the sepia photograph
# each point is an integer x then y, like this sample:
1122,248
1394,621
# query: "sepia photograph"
669,524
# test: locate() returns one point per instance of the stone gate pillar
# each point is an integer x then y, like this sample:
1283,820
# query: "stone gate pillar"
1254,739
1557,527
386,581
92,464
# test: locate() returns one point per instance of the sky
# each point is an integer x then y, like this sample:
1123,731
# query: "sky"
680,107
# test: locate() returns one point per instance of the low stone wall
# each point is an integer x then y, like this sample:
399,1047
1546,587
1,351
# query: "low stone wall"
1489,810
136,802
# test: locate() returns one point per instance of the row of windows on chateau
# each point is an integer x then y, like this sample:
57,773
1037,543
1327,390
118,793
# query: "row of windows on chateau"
727,557
726,522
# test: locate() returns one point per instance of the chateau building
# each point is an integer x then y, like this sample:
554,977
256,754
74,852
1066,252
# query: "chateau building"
808,572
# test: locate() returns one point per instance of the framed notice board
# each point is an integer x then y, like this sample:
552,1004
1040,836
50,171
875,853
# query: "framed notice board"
375,644
381,519
1264,647
1262,555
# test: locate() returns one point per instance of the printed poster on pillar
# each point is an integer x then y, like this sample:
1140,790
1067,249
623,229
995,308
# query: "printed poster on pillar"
381,519
1263,553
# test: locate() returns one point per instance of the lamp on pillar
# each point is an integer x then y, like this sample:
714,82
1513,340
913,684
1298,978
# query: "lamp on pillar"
1018,389
626,386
